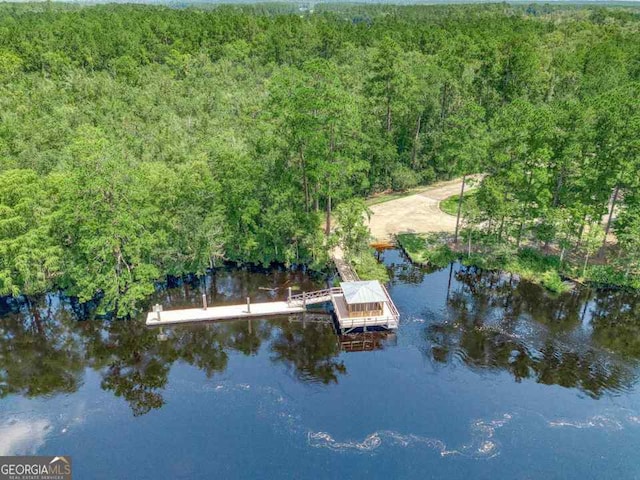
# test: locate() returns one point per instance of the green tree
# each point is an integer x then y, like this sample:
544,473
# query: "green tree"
352,231
29,257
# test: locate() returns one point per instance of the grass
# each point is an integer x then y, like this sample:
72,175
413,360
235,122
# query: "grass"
450,204
527,263
538,268
426,249
386,197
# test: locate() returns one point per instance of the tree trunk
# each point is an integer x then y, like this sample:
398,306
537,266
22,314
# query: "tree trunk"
562,255
305,183
328,225
608,227
388,119
460,200
556,193
414,152
525,213
584,268
581,232
520,229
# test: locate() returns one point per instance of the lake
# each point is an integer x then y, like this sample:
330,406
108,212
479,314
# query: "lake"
487,377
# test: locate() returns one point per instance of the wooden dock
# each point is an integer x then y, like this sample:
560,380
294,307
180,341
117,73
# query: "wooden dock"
385,316
226,312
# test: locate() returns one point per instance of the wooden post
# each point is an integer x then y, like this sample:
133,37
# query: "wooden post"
248,304
304,299
204,301
289,297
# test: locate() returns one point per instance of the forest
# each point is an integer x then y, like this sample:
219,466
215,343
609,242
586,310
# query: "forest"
139,142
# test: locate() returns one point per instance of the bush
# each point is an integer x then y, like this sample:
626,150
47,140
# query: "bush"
551,281
403,178
426,249
368,268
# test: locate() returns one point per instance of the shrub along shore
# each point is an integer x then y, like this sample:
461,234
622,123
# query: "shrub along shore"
528,263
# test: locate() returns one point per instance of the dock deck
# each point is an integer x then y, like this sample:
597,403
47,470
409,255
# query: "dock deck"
222,313
387,319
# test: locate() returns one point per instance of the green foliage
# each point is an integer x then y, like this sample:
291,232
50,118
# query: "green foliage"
368,268
140,141
533,266
426,249
352,232
29,258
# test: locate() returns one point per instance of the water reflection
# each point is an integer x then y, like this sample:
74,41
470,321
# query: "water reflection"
46,346
40,355
496,323
490,323
615,320
367,341
310,350
134,362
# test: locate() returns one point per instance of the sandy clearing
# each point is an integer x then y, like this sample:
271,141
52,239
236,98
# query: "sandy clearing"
417,213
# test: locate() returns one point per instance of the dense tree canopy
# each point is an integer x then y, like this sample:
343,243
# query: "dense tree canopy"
140,141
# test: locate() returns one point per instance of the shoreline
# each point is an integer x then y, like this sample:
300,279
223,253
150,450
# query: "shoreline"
527,263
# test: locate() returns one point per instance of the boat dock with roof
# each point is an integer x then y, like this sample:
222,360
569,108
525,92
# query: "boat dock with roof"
358,305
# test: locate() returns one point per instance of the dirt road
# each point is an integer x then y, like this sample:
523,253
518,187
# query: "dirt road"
417,213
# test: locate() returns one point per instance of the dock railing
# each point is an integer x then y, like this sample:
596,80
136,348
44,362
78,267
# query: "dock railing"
392,306
317,296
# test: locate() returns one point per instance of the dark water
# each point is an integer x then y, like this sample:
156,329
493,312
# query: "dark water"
486,378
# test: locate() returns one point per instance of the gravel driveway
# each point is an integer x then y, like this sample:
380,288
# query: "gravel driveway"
417,213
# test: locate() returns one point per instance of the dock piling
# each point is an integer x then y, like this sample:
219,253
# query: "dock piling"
157,308
248,304
204,301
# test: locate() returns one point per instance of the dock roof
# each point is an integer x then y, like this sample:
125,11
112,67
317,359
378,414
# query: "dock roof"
363,292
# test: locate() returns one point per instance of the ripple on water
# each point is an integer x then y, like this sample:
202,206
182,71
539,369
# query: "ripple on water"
273,405
612,421
483,445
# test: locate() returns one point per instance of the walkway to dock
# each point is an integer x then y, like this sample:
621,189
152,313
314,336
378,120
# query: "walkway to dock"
346,271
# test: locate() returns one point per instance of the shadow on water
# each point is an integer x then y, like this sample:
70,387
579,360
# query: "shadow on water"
485,321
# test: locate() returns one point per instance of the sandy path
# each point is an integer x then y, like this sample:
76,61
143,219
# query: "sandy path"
419,212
